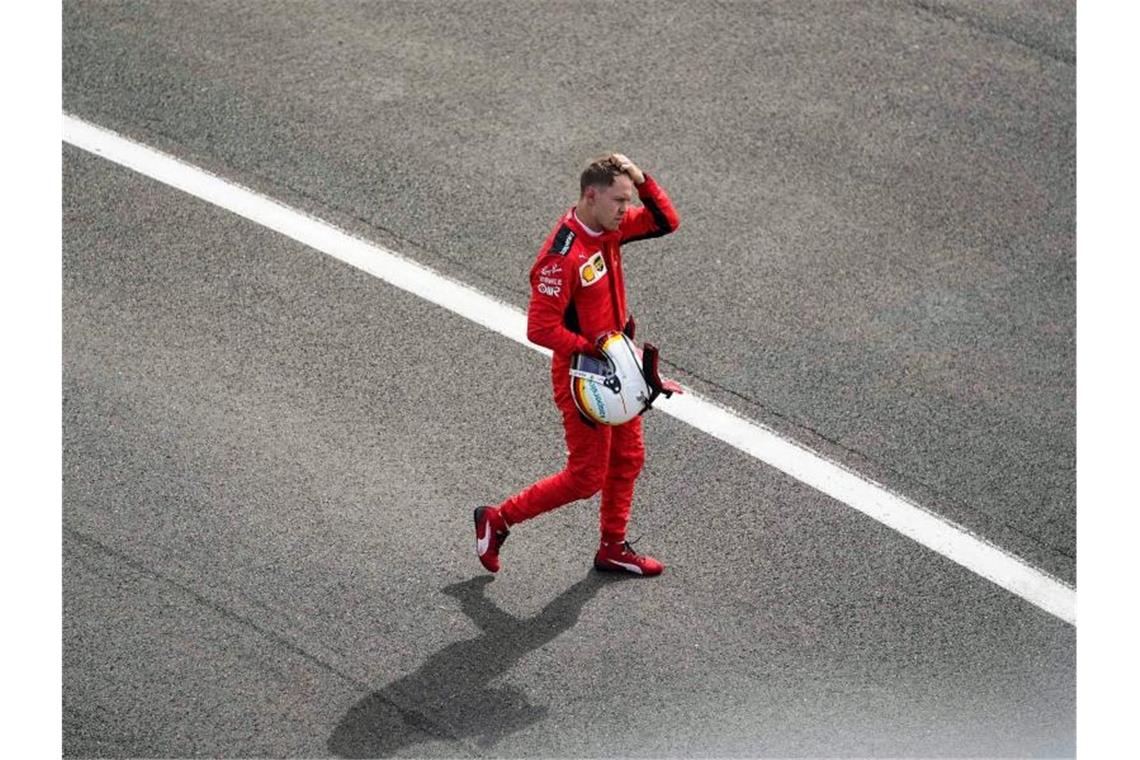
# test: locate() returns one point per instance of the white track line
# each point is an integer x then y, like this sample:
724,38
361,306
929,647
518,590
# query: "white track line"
763,443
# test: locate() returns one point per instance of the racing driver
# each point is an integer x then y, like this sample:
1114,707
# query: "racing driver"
577,296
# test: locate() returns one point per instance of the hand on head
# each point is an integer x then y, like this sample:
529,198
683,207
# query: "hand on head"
629,168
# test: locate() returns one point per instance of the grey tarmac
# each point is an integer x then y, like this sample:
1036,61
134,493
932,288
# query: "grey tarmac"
270,458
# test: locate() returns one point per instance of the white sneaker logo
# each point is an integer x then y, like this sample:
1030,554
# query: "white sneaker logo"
627,565
483,541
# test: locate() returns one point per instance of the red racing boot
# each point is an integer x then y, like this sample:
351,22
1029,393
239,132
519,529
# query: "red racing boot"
622,558
490,533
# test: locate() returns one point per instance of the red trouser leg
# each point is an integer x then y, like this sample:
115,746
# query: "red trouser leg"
627,455
601,458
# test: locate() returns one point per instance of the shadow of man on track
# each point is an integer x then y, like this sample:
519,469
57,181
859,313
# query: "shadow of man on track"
450,698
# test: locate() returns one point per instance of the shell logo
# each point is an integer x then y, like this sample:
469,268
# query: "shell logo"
592,270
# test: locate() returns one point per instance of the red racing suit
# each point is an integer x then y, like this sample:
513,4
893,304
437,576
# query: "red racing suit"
578,293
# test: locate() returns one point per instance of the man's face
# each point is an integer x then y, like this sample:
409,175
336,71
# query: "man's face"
610,203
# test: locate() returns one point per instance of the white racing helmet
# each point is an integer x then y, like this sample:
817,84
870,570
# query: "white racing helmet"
615,390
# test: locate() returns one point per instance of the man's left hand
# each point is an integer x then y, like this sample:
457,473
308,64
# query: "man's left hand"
630,168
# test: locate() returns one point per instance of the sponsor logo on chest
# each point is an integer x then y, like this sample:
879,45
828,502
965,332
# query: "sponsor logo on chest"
593,270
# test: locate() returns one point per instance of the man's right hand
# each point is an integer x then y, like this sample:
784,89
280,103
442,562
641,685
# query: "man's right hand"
596,349
590,349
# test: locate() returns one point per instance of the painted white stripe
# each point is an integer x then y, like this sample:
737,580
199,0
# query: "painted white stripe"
756,440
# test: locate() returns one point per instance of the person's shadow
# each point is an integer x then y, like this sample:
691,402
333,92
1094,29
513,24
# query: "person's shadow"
450,697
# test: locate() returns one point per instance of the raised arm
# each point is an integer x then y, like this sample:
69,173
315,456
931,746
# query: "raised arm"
656,215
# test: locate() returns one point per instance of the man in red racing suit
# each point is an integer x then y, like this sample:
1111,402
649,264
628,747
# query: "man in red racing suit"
578,295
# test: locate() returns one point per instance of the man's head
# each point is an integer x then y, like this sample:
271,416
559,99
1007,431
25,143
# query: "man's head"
606,192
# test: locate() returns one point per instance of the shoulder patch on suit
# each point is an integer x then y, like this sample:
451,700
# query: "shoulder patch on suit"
562,241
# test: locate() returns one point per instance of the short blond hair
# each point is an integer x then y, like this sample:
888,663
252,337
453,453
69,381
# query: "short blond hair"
600,172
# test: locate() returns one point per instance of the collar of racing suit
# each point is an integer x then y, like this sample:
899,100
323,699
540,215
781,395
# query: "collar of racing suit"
588,232
585,227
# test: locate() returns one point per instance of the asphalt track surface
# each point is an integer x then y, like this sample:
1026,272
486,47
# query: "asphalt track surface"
270,457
